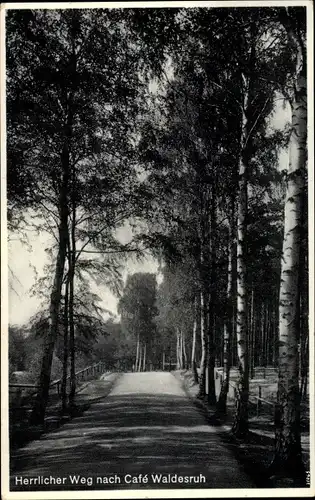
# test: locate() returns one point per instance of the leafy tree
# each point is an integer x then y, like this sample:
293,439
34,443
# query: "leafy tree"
115,348
62,95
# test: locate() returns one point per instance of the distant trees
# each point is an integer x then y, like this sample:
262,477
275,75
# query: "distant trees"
137,307
115,348
25,351
17,349
175,321
95,340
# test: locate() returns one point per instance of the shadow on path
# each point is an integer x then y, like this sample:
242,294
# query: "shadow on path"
130,434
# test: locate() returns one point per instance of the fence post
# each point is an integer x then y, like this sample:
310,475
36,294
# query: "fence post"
258,408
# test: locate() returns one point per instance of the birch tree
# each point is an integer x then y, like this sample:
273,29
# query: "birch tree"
228,323
288,454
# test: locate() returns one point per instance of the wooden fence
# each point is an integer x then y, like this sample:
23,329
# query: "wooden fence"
255,400
20,391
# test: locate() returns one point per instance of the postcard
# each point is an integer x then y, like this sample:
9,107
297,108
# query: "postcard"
157,179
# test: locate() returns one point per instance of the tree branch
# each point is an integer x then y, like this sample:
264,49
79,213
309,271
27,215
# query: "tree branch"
255,122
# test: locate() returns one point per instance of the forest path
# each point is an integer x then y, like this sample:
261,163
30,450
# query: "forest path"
146,425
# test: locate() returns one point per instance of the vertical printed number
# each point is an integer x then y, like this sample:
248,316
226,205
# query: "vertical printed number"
308,478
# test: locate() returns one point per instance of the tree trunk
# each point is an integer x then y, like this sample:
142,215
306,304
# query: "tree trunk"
65,348
304,370
170,357
193,350
304,333
180,336
275,336
268,339
288,453
262,334
144,357
212,295
204,349
240,424
177,351
228,324
71,296
137,353
39,409
140,358
304,306
234,338
185,364
72,342
252,329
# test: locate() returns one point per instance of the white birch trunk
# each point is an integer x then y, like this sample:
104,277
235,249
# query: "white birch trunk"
193,349
137,352
177,350
288,456
144,357
140,358
240,425
204,349
184,351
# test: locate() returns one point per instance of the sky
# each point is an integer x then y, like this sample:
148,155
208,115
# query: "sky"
27,262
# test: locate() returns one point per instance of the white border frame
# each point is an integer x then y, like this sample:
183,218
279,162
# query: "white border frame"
152,493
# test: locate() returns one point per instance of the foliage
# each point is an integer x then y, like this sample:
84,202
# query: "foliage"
137,306
17,349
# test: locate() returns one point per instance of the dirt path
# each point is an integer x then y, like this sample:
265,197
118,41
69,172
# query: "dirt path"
145,427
